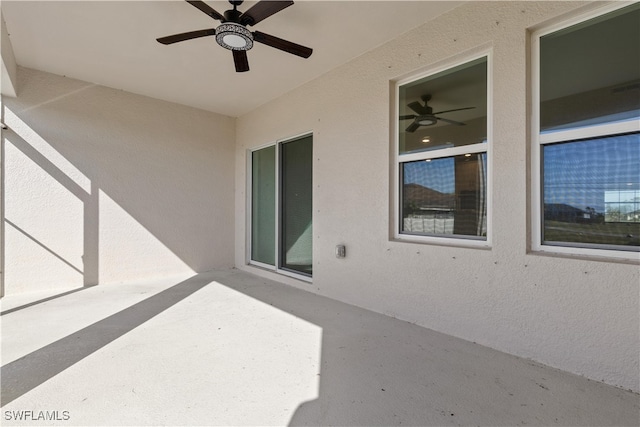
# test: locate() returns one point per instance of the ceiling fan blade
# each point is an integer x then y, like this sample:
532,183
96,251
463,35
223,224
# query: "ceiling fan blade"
418,108
281,44
240,60
410,116
457,109
453,122
206,9
262,10
412,127
186,36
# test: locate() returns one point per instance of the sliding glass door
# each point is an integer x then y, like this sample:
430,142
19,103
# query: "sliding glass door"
281,206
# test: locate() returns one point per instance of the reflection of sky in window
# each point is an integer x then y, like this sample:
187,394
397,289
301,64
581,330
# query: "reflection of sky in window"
437,174
590,173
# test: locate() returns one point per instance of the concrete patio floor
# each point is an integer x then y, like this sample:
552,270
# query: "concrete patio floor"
230,348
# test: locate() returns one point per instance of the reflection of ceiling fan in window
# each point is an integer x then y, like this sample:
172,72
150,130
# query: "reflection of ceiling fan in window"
425,115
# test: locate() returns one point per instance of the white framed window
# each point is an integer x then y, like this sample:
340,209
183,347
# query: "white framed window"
586,134
280,211
442,154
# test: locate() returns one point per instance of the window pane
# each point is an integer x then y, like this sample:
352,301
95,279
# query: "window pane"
590,73
445,196
263,205
296,217
426,121
592,192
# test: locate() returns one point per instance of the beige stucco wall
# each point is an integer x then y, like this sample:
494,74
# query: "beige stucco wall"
8,66
103,186
579,315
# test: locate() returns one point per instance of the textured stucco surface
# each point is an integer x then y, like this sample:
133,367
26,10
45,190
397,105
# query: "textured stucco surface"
581,315
103,186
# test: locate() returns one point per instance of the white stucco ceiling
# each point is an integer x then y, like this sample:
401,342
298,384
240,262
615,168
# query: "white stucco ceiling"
113,43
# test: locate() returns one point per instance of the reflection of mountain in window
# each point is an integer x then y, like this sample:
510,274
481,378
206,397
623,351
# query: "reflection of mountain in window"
445,196
591,191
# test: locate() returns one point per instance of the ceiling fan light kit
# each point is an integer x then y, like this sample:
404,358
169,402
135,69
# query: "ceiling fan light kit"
426,121
233,34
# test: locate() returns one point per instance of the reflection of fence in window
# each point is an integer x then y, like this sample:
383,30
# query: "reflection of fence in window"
434,222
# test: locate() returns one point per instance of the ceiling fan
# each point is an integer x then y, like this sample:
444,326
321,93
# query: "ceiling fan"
233,34
425,115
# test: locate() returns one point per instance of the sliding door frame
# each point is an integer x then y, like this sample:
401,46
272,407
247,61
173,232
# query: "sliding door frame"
278,207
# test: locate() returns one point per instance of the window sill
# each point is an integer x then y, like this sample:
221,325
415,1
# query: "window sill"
586,254
459,242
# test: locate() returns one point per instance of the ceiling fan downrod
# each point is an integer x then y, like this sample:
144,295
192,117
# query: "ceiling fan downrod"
233,15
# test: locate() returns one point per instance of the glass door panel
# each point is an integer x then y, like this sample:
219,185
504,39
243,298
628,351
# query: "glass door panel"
296,226
263,206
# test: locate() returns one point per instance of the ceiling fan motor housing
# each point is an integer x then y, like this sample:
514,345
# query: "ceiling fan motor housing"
234,36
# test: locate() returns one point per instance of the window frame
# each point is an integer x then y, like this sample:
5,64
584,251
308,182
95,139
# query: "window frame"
538,141
398,159
278,207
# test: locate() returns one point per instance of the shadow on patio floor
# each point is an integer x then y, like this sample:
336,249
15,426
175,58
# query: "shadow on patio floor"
33,369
